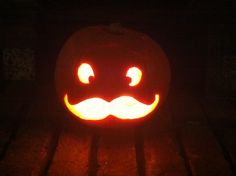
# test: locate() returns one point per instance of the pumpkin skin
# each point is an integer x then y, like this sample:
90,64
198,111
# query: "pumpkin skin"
110,52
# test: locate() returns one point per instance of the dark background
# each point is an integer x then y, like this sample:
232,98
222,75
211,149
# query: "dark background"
198,36
194,134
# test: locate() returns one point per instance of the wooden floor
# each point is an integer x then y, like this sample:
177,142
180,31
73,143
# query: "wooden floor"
191,136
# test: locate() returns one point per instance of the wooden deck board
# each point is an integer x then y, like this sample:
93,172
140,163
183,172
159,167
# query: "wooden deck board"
228,138
12,104
222,117
203,151
162,156
72,154
116,153
27,153
176,142
162,152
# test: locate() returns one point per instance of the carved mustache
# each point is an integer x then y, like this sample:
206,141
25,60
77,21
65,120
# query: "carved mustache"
123,107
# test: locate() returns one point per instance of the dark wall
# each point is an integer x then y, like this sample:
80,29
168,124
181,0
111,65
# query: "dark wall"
197,36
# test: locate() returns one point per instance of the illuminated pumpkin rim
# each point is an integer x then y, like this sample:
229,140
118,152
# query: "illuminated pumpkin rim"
123,107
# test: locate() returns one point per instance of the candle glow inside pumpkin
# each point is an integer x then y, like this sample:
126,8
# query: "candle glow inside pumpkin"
123,107
111,76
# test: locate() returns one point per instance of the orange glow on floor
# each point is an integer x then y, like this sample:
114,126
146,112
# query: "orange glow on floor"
123,107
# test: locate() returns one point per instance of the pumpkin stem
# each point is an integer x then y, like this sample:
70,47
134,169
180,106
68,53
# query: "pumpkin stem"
116,28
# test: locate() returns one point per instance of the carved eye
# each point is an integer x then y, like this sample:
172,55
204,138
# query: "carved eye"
84,72
135,74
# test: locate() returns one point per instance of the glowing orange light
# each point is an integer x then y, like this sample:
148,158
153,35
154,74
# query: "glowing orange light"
123,107
84,72
135,74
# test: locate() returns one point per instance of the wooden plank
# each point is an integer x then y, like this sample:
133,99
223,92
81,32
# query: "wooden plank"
201,148
163,157
116,154
203,151
162,152
12,109
28,152
8,122
228,138
72,153
222,118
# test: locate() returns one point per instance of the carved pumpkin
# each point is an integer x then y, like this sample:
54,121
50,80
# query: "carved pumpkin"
105,73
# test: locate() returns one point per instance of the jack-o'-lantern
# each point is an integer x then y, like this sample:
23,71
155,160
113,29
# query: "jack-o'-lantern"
105,74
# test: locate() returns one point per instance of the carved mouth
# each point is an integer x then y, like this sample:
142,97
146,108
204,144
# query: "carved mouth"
123,107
